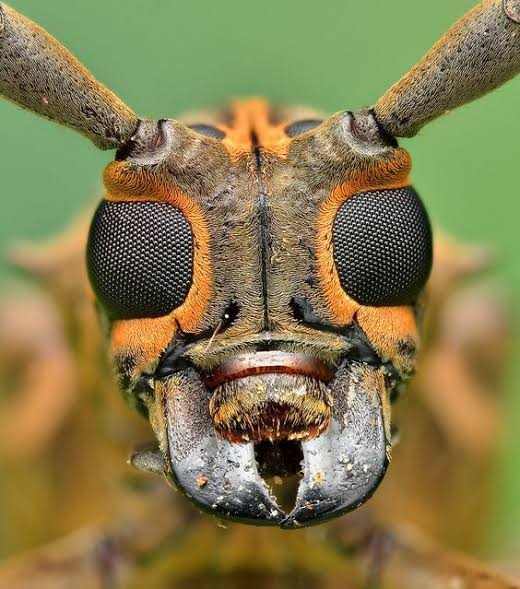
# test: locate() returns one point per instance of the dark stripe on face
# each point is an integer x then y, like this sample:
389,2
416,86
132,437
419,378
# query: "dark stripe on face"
264,220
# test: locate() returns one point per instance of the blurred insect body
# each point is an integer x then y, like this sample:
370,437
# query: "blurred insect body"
293,362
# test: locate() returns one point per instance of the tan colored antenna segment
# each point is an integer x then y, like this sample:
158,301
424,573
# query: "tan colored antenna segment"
38,73
479,53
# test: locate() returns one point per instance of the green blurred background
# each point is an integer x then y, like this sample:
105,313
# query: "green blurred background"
164,57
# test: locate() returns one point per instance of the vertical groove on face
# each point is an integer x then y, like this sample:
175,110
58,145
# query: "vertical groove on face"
264,221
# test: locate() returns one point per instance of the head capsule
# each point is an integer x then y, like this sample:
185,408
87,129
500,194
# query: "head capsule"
260,279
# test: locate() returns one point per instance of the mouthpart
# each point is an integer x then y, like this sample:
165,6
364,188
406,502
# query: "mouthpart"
218,430
270,395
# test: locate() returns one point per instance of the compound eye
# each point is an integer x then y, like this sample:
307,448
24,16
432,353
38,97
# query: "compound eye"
382,244
140,258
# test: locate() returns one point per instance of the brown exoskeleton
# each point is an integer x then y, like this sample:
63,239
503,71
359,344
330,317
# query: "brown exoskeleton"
260,277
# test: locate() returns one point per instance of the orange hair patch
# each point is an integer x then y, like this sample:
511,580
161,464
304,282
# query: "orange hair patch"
251,122
389,174
393,333
145,339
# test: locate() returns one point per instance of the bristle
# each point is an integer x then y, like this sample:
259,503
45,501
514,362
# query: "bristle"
271,407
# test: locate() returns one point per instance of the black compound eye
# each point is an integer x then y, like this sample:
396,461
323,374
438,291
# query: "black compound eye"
382,243
139,258
208,130
299,127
